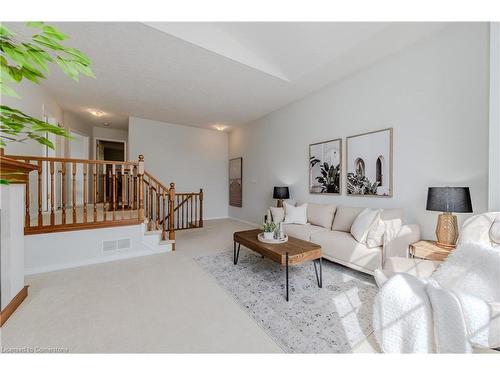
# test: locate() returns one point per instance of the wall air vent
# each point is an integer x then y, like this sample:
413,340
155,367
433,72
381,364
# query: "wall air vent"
113,245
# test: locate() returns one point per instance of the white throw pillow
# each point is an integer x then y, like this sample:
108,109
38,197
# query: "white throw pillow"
375,237
363,223
295,215
277,214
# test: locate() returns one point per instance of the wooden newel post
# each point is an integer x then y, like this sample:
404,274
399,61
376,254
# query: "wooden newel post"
201,208
140,181
171,218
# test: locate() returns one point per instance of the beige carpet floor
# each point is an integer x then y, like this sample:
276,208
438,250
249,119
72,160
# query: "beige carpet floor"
157,303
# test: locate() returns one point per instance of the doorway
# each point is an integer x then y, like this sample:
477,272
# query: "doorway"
111,150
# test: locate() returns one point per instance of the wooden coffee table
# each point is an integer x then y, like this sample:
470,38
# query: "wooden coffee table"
287,254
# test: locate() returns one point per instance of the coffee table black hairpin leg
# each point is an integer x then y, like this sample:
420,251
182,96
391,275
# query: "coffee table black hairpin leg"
236,253
286,270
319,278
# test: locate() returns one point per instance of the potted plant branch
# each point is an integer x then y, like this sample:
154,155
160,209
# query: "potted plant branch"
269,228
29,58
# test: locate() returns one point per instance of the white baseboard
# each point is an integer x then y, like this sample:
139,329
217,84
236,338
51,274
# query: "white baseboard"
216,218
245,221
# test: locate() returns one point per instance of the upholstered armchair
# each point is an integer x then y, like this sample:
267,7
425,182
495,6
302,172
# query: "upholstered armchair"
449,306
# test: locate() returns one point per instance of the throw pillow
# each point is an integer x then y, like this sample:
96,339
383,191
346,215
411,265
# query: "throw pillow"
295,215
321,214
277,214
375,237
363,223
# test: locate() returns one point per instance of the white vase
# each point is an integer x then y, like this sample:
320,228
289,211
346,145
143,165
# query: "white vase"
268,235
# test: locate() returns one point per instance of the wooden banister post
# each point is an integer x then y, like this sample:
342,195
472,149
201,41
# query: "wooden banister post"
201,208
140,175
171,198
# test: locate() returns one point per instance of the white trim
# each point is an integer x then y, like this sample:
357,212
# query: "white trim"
244,221
216,218
494,132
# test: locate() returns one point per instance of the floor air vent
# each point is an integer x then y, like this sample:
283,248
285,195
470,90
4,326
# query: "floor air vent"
113,245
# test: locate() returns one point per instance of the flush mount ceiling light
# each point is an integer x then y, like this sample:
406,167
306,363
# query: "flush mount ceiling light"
220,128
96,113
105,123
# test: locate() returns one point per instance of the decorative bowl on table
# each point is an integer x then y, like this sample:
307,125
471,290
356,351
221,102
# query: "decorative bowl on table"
273,240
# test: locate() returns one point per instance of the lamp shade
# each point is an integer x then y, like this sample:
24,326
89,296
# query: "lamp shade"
281,192
449,199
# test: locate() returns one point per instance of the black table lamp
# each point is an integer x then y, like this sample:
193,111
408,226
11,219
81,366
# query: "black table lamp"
448,200
280,193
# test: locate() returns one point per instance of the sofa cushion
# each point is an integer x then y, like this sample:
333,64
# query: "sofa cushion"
344,218
295,215
343,247
363,223
321,214
303,232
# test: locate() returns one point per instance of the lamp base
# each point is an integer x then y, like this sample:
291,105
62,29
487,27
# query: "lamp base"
279,203
447,231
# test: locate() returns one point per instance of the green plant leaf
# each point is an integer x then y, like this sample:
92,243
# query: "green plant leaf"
5,32
42,140
68,68
52,32
7,91
37,25
3,182
48,42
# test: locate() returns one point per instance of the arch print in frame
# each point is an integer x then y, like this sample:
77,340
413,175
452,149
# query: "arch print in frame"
369,163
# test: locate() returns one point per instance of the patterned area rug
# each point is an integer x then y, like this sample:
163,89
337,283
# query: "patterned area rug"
333,319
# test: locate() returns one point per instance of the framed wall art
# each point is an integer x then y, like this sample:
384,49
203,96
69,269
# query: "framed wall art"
369,163
325,167
235,182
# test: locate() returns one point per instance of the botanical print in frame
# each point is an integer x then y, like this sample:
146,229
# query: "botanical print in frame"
369,163
325,164
235,182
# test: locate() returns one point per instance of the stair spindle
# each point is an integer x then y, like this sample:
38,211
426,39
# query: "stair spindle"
63,193
39,188
52,195
85,192
95,192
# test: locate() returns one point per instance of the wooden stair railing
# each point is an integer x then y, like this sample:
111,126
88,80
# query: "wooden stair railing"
99,193
188,211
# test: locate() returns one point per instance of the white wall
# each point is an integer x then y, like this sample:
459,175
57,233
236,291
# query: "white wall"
193,158
494,172
435,96
54,251
12,242
80,126
35,102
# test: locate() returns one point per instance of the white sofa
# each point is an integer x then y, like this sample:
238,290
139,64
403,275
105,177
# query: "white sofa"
329,226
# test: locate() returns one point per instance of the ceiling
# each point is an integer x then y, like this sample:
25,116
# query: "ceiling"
202,74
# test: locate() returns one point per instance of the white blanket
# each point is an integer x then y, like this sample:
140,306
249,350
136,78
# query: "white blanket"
449,313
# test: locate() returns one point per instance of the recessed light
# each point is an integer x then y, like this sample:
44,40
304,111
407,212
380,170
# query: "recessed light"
220,128
96,113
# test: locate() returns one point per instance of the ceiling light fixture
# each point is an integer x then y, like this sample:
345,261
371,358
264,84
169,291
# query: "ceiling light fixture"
105,123
96,113
220,128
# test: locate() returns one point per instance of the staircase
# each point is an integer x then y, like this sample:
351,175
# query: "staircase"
65,194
